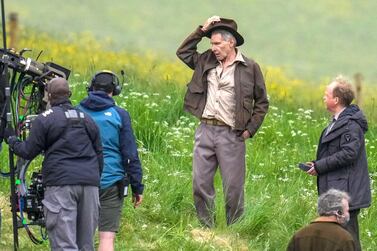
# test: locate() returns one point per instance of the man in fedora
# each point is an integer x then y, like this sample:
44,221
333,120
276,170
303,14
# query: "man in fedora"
228,94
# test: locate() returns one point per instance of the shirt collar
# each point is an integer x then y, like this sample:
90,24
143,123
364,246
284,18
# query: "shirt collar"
239,57
336,115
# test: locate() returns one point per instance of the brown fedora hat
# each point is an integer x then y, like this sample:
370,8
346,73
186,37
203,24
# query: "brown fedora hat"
228,25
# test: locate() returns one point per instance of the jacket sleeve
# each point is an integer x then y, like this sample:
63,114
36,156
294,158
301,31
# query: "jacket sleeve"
95,138
130,157
34,144
187,51
350,143
261,103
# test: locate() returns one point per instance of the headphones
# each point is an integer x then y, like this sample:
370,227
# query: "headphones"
117,87
339,213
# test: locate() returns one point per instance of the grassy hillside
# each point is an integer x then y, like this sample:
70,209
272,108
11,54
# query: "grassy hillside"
279,197
311,39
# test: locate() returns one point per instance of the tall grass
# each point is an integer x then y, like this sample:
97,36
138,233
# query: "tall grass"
279,197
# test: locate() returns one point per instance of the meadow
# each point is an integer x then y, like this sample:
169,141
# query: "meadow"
279,197
311,39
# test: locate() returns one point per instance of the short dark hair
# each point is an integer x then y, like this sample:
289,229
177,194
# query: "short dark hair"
331,202
58,88
103,81
343,90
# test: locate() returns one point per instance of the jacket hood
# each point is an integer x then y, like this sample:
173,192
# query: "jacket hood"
97,101
353,112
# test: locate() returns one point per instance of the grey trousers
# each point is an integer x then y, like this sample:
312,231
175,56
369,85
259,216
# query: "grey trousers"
71,216
218,146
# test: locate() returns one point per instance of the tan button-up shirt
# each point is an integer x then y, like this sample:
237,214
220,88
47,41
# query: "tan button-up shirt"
221,103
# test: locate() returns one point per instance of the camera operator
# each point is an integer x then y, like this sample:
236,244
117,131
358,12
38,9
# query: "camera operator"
71,168
120,154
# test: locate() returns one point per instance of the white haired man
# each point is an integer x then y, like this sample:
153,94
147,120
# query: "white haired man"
326,232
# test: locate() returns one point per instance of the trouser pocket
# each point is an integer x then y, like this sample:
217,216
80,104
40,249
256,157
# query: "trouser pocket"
51,212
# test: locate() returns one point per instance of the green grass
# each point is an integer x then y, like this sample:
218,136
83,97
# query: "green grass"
279,197
311,39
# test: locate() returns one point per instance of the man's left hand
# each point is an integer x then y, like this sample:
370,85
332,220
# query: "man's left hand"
137,199
8,134
312,170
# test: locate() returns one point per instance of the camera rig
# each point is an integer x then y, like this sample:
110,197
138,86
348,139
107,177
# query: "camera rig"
22,91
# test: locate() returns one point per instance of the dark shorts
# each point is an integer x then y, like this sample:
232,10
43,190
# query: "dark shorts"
111,209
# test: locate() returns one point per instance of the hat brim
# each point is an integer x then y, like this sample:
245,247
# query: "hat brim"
237,36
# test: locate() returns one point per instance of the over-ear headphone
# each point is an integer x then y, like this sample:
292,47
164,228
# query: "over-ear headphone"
99,85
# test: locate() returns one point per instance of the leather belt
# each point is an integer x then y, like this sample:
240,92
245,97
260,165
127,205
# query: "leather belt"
213,122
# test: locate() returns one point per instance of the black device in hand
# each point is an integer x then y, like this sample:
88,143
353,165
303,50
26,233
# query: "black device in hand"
304,167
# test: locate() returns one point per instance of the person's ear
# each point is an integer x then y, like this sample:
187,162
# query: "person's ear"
233,43
336,100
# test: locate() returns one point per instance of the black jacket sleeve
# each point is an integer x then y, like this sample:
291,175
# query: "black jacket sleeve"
350,144
34,144
130,157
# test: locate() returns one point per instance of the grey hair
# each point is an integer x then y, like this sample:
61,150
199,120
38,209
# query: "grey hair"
331,202
226,35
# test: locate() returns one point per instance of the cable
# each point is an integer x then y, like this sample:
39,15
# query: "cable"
23,193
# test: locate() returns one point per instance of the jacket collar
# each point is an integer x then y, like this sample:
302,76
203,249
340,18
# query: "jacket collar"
336,130
211,63
61,101
240,58
342,120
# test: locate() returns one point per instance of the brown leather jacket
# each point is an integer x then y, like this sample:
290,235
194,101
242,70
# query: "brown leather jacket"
250,90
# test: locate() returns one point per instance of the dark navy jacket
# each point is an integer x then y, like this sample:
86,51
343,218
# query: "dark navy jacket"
342,160
72,148
118,141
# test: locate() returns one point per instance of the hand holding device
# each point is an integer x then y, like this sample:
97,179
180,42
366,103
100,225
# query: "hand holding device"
305,167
